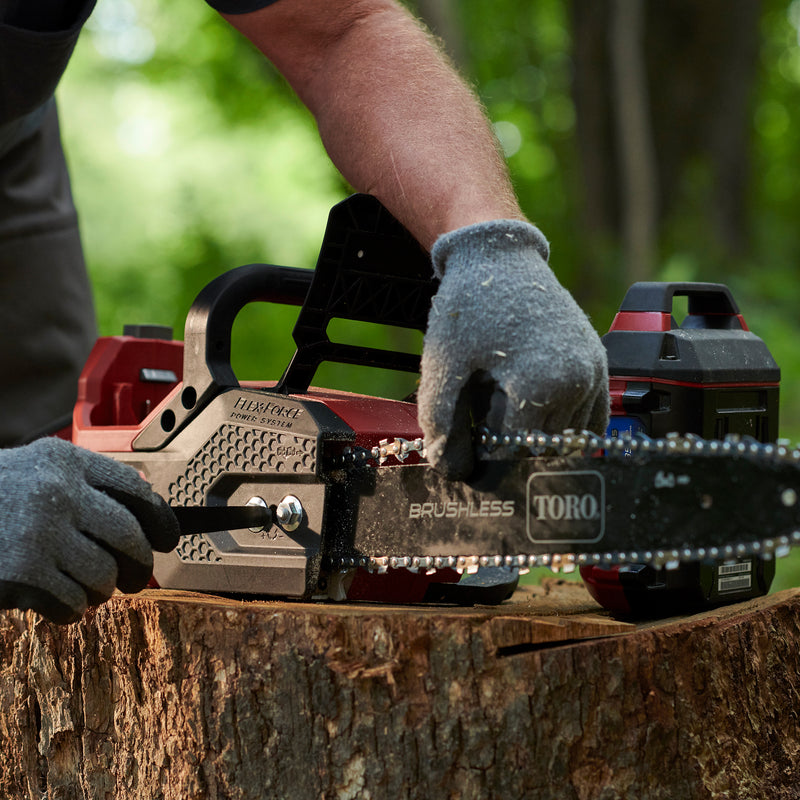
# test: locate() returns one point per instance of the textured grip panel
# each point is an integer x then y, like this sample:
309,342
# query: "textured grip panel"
236,449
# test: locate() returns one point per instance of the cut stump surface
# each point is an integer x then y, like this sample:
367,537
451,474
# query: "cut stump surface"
176,695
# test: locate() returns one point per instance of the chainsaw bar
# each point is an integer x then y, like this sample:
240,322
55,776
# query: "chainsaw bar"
570,500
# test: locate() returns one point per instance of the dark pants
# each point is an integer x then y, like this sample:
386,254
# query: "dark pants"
47,322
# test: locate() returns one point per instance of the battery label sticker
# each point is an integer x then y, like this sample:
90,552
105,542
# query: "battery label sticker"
735,577
625,426
567,507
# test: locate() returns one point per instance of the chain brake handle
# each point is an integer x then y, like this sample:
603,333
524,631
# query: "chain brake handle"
370,269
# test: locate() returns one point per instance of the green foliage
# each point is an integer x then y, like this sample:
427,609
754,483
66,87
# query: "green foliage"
520,65
189,157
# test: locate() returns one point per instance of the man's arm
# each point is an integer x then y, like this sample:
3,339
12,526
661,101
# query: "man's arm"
506,344
395,117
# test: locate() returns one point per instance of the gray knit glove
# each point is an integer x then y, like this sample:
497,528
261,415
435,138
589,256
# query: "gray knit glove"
73,525
506,345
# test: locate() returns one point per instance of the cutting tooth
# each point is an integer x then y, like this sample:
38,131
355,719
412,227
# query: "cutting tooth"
379,565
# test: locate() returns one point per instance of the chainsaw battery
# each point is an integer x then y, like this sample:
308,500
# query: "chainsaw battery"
709,376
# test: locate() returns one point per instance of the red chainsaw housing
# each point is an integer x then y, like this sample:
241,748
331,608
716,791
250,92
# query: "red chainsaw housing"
128,379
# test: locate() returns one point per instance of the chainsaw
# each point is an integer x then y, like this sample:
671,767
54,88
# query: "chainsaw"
284,489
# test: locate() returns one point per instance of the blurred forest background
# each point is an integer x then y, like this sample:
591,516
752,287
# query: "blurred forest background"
647,140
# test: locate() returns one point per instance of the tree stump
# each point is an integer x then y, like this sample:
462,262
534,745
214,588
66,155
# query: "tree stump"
175,695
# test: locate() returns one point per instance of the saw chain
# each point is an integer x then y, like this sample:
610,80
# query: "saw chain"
574,499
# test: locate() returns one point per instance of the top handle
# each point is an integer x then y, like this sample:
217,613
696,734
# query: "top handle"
209,323
369,269
207,339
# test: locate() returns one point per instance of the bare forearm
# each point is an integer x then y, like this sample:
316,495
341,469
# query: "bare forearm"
394,116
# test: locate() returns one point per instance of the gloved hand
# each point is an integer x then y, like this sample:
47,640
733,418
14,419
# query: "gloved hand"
506,345
73,525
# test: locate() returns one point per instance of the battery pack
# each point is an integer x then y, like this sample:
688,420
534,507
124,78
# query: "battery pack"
710,376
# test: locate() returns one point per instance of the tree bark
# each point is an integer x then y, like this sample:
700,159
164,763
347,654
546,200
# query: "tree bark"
176,695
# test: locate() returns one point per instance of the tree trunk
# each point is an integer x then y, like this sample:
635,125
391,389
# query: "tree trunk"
663,95
637,161
174,695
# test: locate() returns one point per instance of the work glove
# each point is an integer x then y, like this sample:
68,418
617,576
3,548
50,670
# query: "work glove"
506,345
73,525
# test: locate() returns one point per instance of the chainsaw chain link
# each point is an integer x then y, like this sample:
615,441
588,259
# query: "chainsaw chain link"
571,442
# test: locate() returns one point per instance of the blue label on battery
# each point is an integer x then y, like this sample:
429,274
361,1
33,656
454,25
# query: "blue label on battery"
621,426
624,426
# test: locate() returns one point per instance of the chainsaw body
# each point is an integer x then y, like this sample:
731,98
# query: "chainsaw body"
176,412
352,511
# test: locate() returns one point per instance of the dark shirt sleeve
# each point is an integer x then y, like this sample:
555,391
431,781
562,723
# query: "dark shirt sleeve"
239,6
